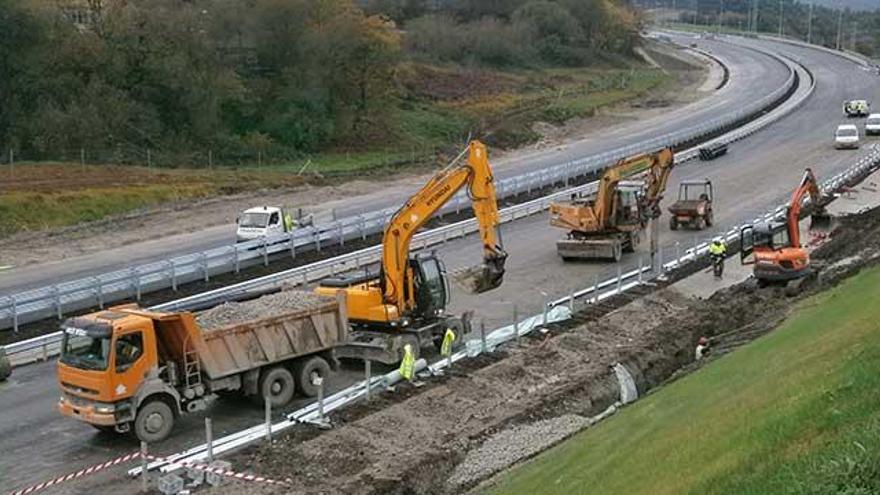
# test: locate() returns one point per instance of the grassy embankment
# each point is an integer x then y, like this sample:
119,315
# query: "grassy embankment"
794,412
441,105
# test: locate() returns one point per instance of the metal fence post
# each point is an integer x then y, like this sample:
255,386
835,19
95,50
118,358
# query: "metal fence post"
235,259
209,440
173,276
362,227
544,312
99,292
14,305
368,374
268,404
641,266
596,288
677,253
619,276
204,262
516,323
341,234
145,477
56,295
137,282
317,240
483,334
571,301
265,252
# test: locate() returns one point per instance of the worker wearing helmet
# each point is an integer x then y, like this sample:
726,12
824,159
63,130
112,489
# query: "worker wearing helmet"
702,348
717,251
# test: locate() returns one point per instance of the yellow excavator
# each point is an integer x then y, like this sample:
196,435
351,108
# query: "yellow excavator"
610,223
405,301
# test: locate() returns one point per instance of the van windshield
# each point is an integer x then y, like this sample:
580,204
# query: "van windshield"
84,351
254,220
848,132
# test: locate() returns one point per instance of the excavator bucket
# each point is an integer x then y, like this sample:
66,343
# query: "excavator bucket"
481,278
821,221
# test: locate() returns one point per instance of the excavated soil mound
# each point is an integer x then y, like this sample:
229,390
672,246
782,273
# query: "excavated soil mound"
452,433
236,313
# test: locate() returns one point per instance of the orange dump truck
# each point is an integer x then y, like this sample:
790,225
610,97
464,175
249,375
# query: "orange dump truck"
126,369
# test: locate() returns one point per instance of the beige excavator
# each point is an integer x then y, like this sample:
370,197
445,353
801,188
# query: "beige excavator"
609,223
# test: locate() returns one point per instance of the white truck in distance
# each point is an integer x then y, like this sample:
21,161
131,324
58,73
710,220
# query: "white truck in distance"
266,221
856,108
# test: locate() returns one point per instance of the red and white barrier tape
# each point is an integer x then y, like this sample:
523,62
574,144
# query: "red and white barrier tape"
137,455
82,472
208,469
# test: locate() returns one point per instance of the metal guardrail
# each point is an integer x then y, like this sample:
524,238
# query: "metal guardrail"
621,283
58,299
49,345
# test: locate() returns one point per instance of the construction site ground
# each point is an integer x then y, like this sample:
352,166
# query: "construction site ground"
502,408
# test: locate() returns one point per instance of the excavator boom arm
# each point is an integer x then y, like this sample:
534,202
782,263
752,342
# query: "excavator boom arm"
808,186
477,175
658,164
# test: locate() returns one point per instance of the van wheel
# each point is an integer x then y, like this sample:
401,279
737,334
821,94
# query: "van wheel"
154,421
276,386
309,369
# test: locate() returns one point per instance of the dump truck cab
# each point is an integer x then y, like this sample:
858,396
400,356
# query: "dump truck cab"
109,367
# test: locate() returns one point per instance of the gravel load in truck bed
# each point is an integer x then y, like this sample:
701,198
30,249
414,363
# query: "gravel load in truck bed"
233,313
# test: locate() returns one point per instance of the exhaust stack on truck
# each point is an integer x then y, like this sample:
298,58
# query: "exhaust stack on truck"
127,369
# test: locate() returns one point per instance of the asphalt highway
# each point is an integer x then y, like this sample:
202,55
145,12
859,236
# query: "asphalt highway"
756,75
757,174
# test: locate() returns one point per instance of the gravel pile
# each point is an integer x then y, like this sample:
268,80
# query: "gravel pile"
233,313
512,445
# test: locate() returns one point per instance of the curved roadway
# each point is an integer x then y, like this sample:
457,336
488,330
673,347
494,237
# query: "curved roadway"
755,75
757,174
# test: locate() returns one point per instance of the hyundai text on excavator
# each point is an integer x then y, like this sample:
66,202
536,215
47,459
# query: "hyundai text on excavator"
775,247
405,301
605,226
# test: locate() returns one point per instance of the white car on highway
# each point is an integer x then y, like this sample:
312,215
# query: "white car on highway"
846,136
872,125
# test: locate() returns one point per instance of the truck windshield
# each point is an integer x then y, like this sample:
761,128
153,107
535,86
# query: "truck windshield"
847,132
254,220
83,351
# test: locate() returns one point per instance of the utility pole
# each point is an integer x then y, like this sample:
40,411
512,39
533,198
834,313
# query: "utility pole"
720,16
757,10
781,17
839,25
810,24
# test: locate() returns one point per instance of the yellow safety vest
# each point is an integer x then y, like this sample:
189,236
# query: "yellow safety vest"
717,249
448,339
288,222
407,365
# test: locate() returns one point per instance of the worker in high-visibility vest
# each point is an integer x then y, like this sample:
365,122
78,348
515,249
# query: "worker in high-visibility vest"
289,224
448,339
408,363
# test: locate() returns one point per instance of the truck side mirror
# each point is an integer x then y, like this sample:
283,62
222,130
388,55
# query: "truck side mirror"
747,245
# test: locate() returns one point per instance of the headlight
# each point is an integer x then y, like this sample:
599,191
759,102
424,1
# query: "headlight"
104,408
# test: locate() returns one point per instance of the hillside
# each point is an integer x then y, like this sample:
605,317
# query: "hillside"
794,412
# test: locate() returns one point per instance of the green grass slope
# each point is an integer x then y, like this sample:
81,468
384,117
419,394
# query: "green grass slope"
795,412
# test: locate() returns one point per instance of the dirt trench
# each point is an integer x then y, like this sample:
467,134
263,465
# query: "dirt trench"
418,441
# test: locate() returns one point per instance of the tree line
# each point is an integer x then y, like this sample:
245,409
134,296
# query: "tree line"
291,76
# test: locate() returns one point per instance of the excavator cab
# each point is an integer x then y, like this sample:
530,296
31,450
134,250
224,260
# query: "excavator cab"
431,286
762,237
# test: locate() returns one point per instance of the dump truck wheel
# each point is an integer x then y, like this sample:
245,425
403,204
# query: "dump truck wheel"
673,223
154,421
307,370
277,386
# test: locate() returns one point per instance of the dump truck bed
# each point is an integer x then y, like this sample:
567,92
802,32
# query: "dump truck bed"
685,207
238,337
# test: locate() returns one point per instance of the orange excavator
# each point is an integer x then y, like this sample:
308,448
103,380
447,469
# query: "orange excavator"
611,222
775,247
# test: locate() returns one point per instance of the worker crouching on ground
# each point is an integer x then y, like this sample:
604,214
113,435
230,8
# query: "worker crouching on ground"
717,251
702,348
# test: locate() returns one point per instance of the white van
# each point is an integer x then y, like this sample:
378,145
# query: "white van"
846,136
872,125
